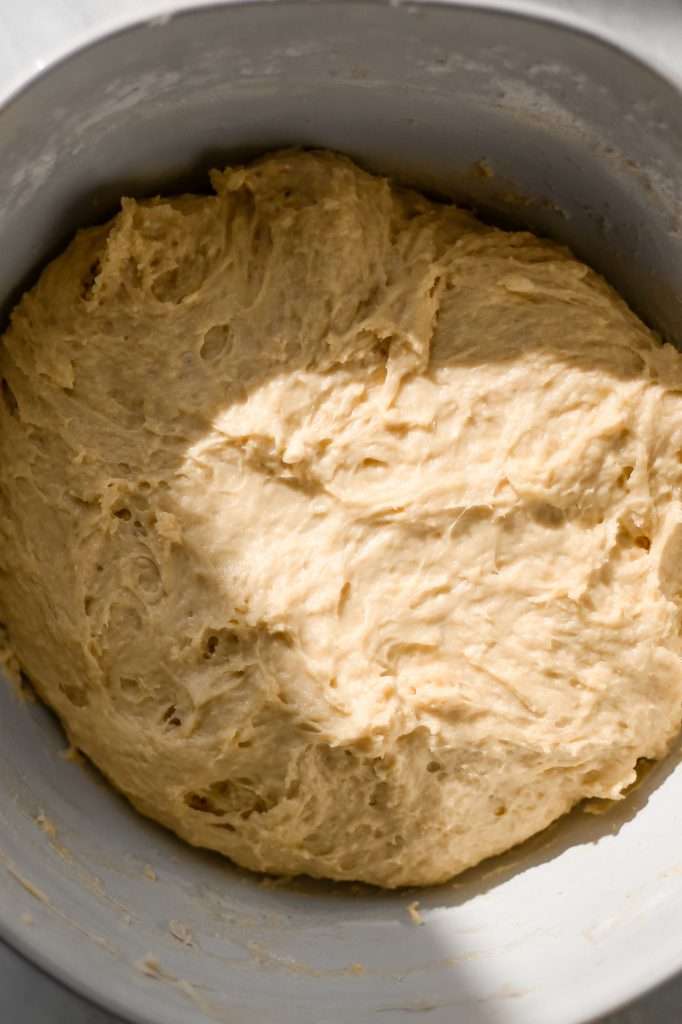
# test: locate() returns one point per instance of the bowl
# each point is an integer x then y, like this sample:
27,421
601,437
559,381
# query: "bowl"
535,123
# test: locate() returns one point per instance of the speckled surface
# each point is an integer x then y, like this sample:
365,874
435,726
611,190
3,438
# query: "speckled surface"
29,997
26,995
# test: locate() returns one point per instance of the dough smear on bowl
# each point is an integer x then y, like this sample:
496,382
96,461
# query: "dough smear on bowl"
342,532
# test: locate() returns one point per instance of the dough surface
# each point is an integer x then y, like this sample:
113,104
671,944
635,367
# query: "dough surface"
343,532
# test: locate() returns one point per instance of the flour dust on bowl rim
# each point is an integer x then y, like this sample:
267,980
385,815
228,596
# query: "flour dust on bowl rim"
583,143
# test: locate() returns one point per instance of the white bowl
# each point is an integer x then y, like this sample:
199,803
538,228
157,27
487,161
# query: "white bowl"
586,144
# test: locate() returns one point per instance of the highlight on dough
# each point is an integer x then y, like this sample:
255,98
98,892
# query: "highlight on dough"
342,531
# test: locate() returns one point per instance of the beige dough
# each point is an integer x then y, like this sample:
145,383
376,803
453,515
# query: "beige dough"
343,532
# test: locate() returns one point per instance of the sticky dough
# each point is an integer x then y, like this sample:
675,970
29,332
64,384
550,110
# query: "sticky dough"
342,531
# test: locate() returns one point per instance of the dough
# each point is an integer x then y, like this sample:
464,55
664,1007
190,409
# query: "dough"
342,532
